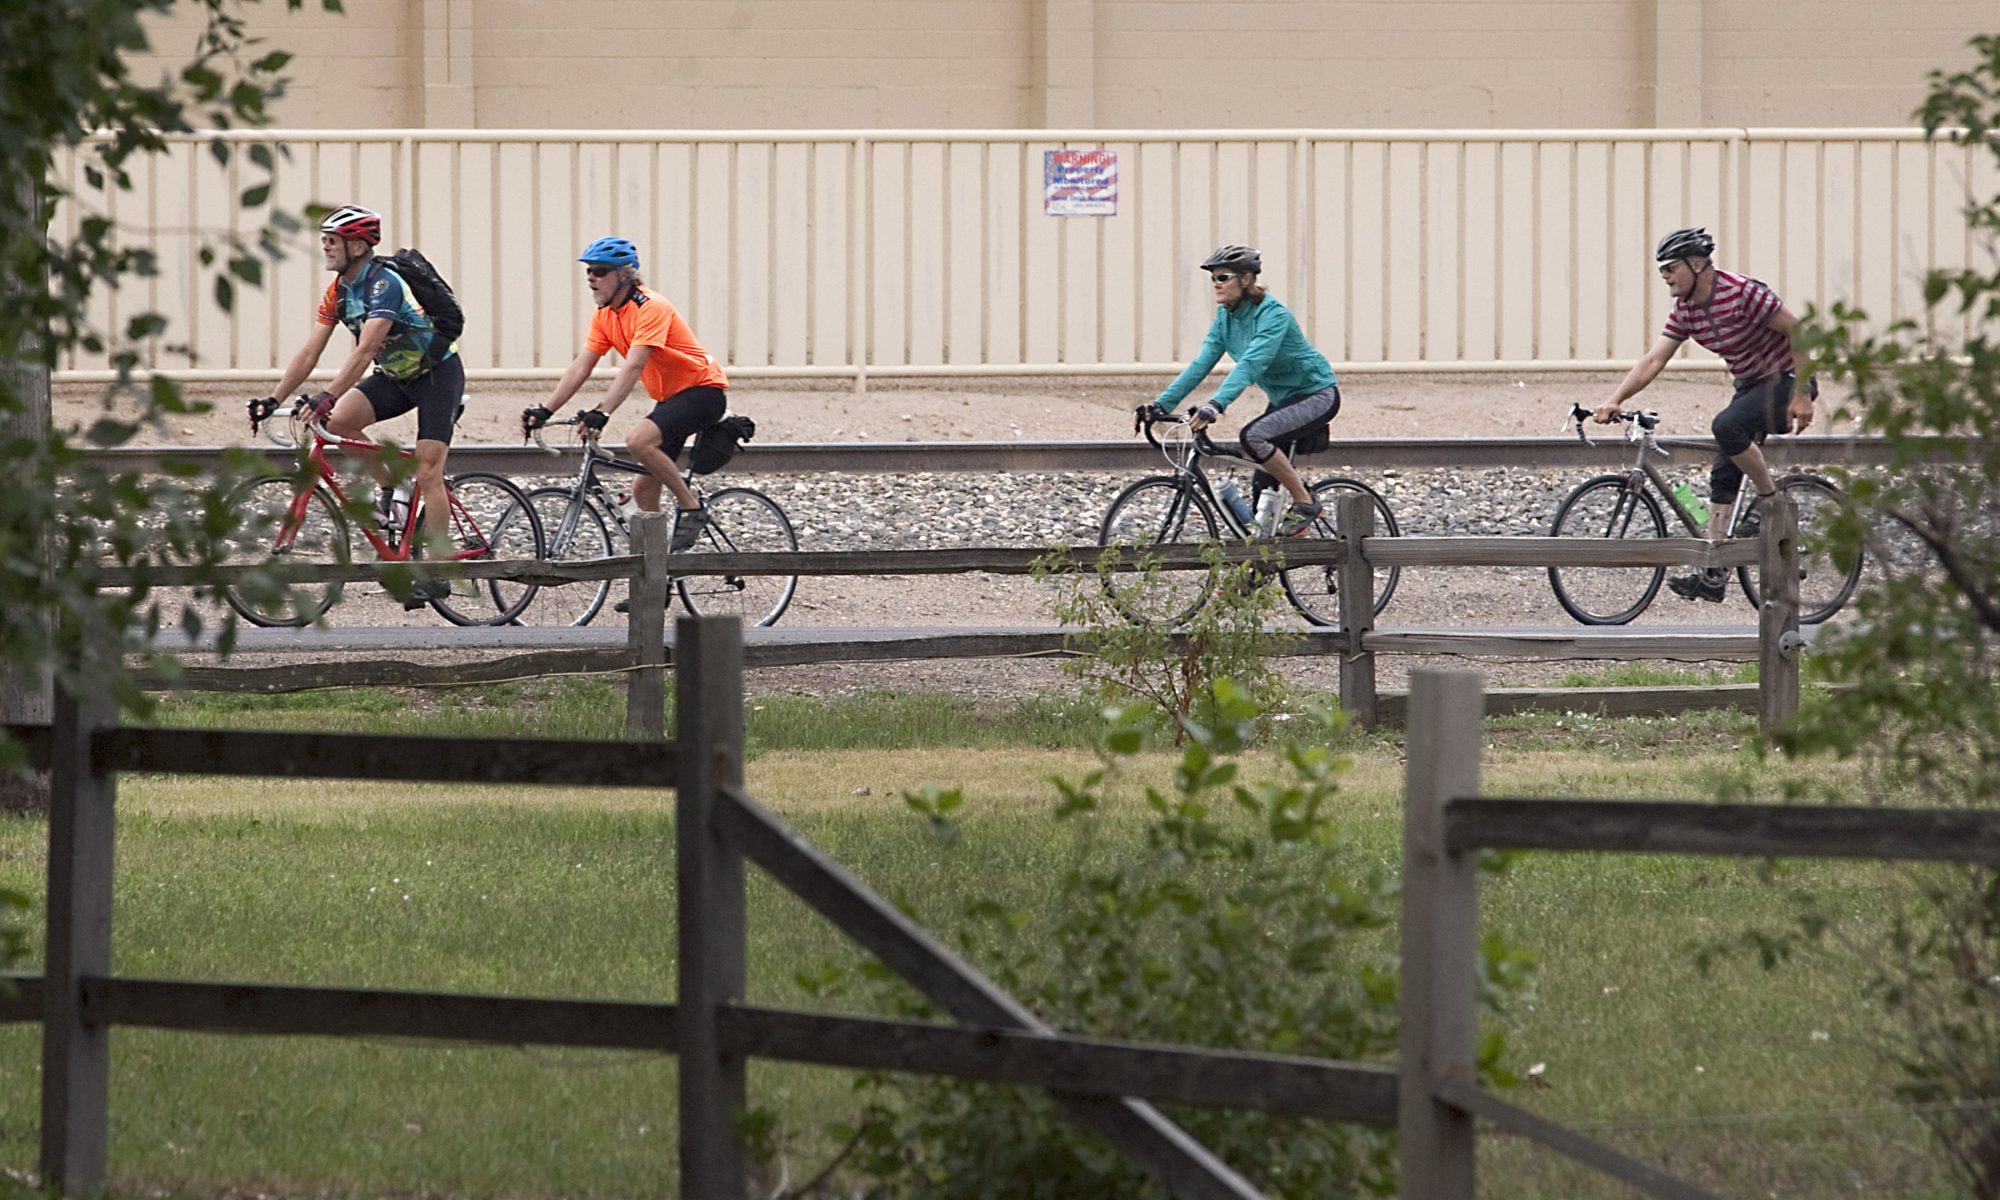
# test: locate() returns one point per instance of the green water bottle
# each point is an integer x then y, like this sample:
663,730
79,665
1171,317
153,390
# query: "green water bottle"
1694,505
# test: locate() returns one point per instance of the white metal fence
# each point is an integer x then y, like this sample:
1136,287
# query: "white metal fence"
916,253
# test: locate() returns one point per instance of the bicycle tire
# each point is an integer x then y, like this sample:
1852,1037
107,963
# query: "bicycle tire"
264,508
575,530
490,519
1608,506
741,520
1315,590
1824,587
1153,512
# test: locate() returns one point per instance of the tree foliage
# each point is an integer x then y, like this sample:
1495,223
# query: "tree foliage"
1922,707
68,87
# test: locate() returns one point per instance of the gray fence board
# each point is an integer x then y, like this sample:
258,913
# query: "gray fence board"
380,757
1744,830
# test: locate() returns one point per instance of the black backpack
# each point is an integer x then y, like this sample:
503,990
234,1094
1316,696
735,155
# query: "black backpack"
431,291
716,445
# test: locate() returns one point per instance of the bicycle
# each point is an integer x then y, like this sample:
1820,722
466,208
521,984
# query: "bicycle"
1183,507
581,519
304,518
1627,505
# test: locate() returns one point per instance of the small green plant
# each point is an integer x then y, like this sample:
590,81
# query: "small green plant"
1138,643
1242,918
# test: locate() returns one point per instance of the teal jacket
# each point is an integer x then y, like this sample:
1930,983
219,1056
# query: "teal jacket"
1270,350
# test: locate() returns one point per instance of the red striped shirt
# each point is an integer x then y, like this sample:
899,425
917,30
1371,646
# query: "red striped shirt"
1732,324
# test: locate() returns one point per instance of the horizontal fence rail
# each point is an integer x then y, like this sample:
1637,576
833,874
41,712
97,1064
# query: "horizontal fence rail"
1448,824
927,253
1108,457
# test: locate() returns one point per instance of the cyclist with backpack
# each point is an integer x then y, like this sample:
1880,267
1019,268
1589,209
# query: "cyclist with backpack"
1742,320
688,388
1272,352
416,366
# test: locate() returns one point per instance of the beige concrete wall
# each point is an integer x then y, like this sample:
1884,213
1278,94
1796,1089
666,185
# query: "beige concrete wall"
1151,64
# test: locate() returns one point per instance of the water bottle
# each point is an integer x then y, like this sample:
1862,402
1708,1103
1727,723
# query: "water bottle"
1267,512
1695,506
627,507
1233,497
399,508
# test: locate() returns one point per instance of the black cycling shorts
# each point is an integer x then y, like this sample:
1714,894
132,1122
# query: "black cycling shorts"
1759,408
438,395
686,413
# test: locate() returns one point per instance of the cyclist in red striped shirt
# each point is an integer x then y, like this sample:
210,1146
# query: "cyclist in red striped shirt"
1743,321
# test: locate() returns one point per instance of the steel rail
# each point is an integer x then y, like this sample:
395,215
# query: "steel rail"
1089,457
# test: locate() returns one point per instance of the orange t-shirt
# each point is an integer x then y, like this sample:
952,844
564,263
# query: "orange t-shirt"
646,319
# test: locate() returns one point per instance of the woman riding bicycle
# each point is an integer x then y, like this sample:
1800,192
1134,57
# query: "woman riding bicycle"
686,384
1271,351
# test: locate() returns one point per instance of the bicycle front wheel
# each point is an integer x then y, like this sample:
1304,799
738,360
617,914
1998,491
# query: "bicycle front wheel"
741,521
1315,590
576,531
490,519
1158,511
278,523
1824,583
1609,506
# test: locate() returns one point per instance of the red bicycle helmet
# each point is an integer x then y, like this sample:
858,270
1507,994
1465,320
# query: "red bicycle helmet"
355,223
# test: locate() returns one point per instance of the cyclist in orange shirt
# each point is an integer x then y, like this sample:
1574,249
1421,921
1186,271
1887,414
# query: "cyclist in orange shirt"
688,388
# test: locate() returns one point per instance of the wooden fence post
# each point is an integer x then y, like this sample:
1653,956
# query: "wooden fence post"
708,754
646,629
1356,514
1440,938
76,1056
1778,642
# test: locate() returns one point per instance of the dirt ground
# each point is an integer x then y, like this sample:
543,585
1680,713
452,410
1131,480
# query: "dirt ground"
1040,408
1374,406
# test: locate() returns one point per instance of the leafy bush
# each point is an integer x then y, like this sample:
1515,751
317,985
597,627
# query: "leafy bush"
1131,652
1241,920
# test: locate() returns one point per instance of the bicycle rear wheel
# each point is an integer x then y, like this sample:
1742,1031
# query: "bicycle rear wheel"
1159,510
741,521
1315,590
490,519
1609,506
576,531
1824,584
278,523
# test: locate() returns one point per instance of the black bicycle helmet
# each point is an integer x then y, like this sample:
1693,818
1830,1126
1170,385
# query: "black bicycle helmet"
1244,259
1692,242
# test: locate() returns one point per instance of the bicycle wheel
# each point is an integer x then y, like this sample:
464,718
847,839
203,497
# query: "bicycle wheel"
1160,510
490,519
576,531
1609,506
1824,584
1315,590
741,521
279,523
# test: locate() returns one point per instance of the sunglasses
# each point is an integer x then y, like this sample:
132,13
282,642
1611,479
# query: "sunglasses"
1223,276
599,272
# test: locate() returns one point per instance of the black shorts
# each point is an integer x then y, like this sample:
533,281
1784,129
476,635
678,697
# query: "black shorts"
686,413
1760,407
1282,426
438,395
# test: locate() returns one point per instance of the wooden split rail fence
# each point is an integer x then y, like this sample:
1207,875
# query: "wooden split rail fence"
647,655
1431,1096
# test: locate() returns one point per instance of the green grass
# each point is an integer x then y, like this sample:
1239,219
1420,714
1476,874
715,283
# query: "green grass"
1646,674
521,891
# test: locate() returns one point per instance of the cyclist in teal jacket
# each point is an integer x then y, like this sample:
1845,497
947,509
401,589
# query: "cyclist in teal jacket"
1271,351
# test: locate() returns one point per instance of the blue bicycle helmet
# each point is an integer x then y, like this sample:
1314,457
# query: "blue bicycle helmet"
611,252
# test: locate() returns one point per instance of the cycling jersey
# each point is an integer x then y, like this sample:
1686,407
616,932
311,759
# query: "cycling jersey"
645,319
1270,350
380,292
1733,325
